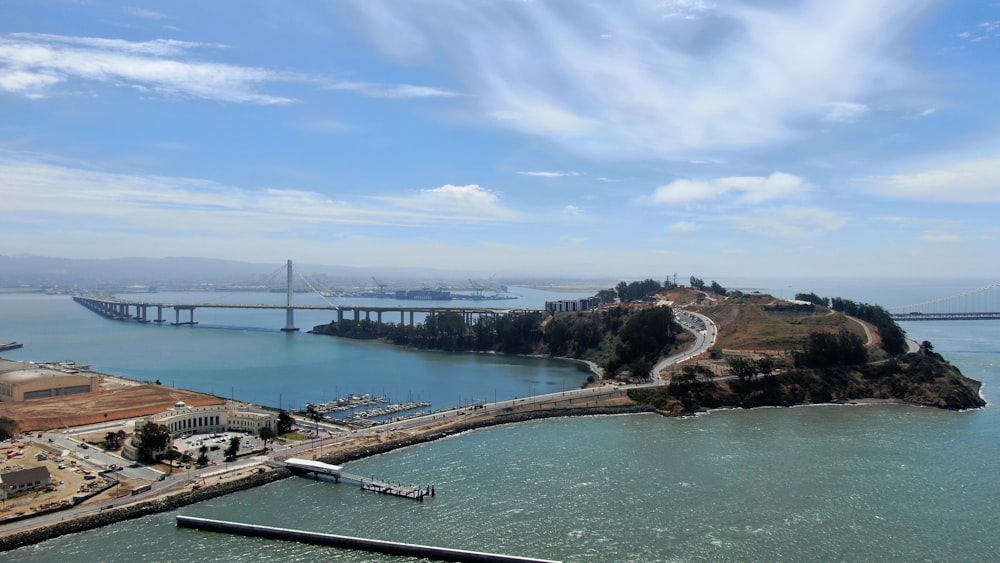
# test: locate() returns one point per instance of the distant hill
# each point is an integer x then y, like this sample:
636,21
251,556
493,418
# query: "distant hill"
38,272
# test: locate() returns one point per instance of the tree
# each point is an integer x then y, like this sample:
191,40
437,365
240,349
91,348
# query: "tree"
622,290
926,346
8,427
718,289
202,455
697,283
151,438
266,434
765,365
743,368
233,449
285,423
606,296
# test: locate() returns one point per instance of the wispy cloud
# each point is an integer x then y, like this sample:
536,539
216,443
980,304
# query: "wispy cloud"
391,91
548,174
743,189
737,75
845,112
790,222
683,227
470,203
32,64
965,181
33,188
150,66
147,14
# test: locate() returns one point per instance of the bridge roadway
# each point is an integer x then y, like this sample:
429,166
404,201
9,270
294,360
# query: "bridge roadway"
944,316
121,309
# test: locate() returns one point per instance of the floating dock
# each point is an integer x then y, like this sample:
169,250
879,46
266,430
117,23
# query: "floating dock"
10,346
348,542
304,467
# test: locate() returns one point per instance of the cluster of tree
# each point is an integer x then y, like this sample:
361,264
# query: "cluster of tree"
715,287
827,350
637,290
149,439
113,440
8,427
746,369
893,337
645,337
449,330
813,298
614,338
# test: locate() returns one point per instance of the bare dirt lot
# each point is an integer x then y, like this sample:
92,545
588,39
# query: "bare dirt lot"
90,408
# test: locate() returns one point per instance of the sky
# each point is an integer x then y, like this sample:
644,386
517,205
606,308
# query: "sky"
621,139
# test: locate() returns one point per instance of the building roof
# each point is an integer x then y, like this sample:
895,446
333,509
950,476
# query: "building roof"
13,479
35,374
11,365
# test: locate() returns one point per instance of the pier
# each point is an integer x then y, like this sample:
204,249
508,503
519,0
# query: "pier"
10,346
348,542
304,467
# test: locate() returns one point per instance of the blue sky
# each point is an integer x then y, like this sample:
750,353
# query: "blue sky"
615,139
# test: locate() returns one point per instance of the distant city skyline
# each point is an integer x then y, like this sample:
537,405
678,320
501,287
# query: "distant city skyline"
623,139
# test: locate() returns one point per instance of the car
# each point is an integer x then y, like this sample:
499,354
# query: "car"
86,457
51,440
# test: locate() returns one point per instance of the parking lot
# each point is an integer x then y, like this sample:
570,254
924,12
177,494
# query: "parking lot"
216,443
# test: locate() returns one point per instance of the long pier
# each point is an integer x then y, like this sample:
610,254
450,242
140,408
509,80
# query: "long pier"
348,542
141,311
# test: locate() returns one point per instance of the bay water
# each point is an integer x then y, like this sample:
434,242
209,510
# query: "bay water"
828,483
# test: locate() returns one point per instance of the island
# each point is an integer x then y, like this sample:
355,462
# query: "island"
767,352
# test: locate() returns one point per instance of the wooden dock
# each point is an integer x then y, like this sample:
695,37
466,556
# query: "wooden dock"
397,490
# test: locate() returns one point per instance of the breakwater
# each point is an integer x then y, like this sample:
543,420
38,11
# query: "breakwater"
348,542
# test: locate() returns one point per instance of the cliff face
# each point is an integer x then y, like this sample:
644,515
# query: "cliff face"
919,379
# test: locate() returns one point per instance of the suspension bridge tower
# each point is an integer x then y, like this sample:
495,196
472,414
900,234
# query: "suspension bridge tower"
289,311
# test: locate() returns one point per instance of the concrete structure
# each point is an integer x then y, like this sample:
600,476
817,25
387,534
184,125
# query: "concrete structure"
20,381
17,482
571,305
184,419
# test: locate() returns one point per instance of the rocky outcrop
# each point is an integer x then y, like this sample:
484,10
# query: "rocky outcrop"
917,379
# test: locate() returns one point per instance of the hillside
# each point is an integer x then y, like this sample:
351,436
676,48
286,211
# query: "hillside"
918,379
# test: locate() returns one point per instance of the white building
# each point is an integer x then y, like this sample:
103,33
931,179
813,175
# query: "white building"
571,305
184,419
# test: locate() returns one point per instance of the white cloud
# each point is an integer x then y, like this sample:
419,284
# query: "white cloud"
790,222
147,14
845,112
940,237
548,174
138,64
391,91
683,227
32,62
664,85
469,203
748,189
970,181
57,192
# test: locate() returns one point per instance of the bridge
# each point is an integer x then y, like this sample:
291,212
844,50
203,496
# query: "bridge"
982,303
142,311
